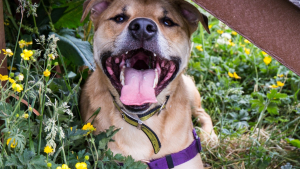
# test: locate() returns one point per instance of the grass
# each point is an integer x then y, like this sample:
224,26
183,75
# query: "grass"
255,121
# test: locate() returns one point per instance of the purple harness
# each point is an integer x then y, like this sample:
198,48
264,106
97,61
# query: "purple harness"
175,159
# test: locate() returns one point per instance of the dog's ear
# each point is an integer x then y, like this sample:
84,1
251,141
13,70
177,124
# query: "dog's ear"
192,15
96,7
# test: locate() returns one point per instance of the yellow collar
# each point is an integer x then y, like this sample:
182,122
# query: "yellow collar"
138,122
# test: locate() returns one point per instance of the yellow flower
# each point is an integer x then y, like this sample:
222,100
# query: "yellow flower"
273,86
13,68
220,31
13,144
81,165
17,87
65,166
48,149
241,44
71,128
280,84
11,80
28,43
233,75
6,22
264,53
246,41
26,54
7,52
26,115
22,43
236,76
267,60
234,33
3,78
51,56
209,26
230,43
89,127
247,51
280,75
199,47
47,73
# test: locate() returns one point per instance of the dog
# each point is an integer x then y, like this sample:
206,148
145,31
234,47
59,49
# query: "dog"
141,49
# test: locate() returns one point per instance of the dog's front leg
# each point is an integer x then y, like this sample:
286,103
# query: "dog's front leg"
207,132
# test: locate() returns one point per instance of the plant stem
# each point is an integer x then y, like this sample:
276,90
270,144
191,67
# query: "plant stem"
42,108
41,118
16,45
261,116
11,17
49,16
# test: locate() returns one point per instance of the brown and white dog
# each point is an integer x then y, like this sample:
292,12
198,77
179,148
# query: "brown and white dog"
141,49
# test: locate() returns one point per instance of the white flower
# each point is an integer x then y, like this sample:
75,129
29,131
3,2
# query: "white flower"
226,36
21,77
221,41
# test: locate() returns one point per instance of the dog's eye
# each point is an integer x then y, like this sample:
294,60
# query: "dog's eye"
119,18
168,22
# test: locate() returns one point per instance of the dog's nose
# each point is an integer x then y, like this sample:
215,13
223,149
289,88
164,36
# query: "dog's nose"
142,29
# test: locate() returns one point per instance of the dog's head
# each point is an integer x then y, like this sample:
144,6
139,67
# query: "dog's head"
142,46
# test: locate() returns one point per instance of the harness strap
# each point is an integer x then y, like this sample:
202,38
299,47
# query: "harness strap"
138,123
153,111
178,158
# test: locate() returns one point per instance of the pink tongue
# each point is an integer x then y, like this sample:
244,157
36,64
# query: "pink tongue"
138,88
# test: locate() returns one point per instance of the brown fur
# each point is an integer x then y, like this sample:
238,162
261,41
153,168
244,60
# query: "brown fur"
173,125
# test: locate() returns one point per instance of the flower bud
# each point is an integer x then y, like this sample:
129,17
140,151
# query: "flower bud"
55,63
30,109
17,115
86,157
49,165
11,74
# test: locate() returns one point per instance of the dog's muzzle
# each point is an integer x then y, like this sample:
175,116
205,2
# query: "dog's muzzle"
140,72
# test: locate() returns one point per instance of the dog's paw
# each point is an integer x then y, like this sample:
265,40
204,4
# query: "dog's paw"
210,139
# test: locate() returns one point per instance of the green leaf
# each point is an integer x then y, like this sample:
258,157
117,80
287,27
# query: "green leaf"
257,104
27,160
77,51
72,15
276,95
294,142
272,109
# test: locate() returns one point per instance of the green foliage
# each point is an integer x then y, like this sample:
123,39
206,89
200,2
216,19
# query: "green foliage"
27,160
71,16
294,142
77,51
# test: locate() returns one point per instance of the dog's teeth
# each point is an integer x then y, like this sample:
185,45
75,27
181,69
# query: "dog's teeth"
126,53
154,54
122,77
155,79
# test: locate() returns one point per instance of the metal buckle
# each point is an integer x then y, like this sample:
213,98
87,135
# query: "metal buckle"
139,126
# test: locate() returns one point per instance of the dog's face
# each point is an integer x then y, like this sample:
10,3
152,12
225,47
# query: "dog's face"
142,46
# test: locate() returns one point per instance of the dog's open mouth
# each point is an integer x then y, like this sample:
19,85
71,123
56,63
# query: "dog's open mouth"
139,76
